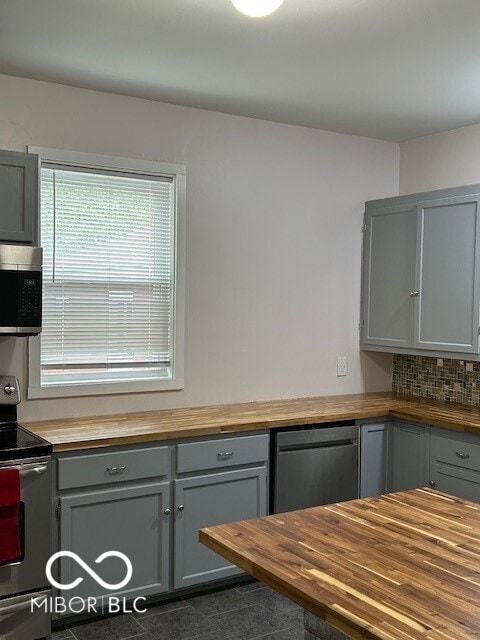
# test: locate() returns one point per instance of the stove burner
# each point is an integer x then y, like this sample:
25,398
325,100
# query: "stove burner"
17,442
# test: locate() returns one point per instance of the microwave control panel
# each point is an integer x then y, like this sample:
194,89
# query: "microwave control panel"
29,298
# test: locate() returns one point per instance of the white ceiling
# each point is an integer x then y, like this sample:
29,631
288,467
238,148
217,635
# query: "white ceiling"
390,69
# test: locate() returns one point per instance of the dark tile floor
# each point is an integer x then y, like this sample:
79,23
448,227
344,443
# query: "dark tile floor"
247,612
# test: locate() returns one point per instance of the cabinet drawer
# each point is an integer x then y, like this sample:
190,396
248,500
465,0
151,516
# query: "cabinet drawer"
226,452
458,452
119,466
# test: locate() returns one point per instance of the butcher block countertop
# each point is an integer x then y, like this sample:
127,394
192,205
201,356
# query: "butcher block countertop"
404,566
132,428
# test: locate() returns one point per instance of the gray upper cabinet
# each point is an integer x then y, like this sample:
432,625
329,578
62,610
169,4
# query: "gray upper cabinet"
19,197
448,274
421,273
389,276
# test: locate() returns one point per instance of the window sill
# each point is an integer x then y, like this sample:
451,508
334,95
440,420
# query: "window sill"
104,389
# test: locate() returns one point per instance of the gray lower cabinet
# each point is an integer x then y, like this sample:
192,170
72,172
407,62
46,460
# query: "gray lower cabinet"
455,463
443,459
131,520
375,458
411,456
149,502
19,197
208,500
458,482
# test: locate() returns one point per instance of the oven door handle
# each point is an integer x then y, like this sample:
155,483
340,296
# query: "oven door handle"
34,471
21,606
29,470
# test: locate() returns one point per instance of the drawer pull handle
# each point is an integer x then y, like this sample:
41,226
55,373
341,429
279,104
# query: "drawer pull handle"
114,470
225,455
463,456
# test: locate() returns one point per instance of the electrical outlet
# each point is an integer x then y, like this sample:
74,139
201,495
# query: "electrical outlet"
342,368
439,362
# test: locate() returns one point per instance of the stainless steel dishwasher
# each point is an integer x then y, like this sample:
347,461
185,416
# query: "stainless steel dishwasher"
313,466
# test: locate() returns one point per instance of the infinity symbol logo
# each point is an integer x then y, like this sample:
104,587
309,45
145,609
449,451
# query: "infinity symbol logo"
91,573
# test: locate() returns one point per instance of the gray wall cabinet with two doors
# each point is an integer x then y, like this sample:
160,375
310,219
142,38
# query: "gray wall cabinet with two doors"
149,503
396,456
421,274
19,198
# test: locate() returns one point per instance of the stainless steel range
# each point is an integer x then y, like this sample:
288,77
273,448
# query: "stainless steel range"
25,536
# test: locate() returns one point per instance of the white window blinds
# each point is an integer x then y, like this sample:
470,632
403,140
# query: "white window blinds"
109,268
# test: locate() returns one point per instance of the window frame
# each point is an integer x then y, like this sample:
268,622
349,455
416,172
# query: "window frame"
142,167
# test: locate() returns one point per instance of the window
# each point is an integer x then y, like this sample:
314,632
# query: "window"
112,234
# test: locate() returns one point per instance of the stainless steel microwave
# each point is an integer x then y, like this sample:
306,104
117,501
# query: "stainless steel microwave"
20,290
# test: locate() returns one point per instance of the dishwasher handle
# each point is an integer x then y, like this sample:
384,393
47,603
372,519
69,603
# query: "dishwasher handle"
322,436
318,445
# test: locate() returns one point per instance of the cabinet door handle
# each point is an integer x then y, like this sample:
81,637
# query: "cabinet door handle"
414,293
114,470
167,512
225,455
463,456
433,484
180,507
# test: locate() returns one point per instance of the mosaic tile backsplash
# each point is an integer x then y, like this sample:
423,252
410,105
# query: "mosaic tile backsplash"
452,380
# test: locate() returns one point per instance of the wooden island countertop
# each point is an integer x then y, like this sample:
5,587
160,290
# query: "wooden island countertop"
131,428
403,566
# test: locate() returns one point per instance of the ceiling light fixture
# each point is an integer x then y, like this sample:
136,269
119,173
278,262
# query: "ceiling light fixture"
257,8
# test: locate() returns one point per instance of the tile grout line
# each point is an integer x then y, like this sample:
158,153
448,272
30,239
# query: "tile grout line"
160,613
184,604
248,606
129,615
265,635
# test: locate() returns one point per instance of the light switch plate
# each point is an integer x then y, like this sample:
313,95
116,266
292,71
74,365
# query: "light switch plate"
9,390
342,368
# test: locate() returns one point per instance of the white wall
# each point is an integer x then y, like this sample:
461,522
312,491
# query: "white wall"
273,242
443,160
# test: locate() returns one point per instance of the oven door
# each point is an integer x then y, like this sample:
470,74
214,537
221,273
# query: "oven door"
28,573
18,619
